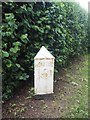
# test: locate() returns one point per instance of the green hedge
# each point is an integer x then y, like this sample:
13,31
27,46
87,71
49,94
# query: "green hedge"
60,27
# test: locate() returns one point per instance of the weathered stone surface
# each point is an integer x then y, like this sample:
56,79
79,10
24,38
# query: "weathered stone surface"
43,72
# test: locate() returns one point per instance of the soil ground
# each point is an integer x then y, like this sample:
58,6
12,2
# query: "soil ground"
70,98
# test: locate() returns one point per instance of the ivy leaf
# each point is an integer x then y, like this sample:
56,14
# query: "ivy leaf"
47,26
17,43
5,54
24,38
18,65
14,50
24,76
8,63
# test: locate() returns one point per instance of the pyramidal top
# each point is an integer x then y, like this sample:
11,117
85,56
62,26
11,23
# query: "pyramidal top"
44,53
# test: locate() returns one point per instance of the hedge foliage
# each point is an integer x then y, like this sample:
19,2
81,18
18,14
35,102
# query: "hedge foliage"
60,27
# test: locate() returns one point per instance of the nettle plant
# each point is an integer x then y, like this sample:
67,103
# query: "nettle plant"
60,27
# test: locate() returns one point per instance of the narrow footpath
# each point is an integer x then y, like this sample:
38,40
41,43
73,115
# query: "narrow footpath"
70,98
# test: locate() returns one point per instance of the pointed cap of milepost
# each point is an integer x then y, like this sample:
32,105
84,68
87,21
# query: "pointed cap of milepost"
43,53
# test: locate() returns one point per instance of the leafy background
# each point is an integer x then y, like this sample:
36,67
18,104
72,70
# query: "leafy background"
61,27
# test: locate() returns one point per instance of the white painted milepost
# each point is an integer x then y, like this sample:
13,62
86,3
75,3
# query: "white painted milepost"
43,72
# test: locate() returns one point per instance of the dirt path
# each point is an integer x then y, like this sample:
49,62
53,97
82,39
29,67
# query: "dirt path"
68,92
